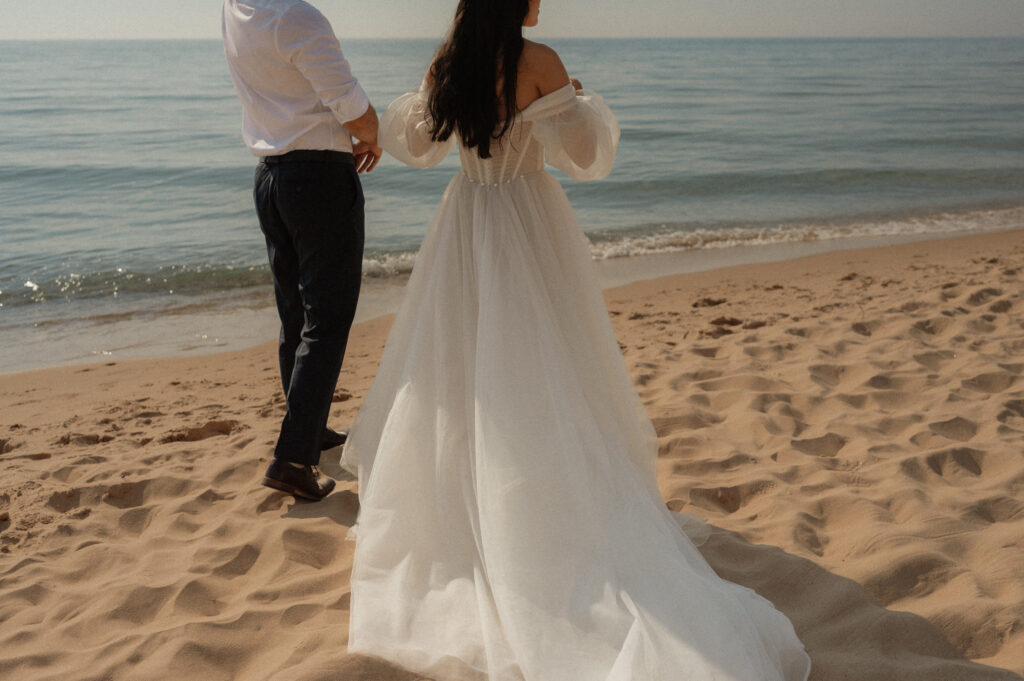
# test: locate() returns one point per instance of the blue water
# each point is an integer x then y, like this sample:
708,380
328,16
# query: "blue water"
125,180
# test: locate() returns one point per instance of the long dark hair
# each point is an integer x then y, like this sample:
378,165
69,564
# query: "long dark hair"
484,46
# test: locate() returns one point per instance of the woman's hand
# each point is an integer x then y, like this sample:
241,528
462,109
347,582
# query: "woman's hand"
576,84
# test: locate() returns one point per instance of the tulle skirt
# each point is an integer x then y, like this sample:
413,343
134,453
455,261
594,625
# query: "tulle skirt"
510,526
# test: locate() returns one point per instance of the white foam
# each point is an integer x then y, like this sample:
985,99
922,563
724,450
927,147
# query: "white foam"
385,265
671,241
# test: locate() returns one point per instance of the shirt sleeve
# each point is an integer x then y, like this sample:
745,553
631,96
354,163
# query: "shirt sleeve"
307,41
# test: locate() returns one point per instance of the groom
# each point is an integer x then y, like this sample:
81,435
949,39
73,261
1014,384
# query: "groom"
301,107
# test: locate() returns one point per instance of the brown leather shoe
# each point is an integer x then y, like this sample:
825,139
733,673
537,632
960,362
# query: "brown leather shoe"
333,438
306,482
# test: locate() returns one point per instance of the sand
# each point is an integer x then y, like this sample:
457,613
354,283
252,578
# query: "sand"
851,425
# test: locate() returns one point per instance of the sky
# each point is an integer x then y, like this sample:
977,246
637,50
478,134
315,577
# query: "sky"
147,19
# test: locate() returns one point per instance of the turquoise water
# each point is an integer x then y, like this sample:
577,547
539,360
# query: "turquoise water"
125,189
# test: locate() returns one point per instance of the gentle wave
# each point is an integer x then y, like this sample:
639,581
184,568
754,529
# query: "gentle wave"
190,280
667,238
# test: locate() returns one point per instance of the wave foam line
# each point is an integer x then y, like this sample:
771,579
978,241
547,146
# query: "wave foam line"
668,239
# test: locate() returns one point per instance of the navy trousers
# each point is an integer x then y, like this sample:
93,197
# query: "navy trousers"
310,208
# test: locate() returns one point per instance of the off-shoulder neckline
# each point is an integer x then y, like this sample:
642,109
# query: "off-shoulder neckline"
534,109
556,97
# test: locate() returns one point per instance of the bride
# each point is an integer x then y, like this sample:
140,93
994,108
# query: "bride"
510,527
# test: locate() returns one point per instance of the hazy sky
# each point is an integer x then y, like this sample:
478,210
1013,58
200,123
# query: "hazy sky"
35,19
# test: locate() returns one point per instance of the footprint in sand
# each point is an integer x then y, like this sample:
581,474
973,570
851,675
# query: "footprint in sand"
957,462
912,468
83,440
913,576
808,538
950,291
297,614
1000,306
958,428
211,429
932,327
771,353
1012,414
997,509
912,306
982,326
934,360
827,375
827,445
197,598
763,401
751,383
126,494
135,521
715,332
867,328
310,547
65,501
994,382
239,564
141,604
703,467
695,420
984,295
729,499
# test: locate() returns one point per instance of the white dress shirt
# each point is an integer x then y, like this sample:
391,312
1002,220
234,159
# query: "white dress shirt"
296,87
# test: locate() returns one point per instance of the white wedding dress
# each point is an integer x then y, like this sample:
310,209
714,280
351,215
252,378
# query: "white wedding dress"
510,526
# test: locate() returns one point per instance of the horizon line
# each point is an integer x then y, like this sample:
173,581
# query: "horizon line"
552,37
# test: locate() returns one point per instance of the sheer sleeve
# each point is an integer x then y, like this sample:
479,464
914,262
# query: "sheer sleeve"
579,133
405,131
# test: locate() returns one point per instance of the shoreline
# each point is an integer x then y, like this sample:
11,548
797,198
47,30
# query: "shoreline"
219,323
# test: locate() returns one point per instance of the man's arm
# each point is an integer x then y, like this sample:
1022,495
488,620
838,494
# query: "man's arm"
306,38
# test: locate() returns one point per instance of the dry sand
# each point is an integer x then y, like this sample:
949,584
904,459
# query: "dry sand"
852,424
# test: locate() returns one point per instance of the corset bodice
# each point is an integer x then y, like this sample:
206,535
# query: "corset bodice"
516,154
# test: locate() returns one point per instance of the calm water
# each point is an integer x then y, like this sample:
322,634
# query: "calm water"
125,187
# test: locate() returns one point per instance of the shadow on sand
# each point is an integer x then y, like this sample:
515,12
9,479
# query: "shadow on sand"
847,634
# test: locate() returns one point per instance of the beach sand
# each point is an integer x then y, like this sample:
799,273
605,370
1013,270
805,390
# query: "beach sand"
851,424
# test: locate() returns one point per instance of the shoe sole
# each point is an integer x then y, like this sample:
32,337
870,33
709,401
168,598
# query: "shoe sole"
290,489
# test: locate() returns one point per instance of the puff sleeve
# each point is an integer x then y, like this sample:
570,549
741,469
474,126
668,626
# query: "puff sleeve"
405,131
579,133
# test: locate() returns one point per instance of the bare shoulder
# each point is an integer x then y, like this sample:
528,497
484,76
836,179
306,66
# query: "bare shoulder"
543,67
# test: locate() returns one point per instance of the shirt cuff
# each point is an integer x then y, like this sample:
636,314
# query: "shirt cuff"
354,105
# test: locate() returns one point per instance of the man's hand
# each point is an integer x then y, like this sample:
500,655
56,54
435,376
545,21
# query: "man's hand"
367,156
366,150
